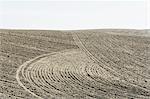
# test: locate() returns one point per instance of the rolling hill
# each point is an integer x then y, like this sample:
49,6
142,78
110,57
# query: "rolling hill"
77,64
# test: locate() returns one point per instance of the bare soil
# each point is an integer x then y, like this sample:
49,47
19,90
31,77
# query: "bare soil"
83,64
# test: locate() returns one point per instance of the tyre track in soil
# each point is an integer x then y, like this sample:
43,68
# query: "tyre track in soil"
30,62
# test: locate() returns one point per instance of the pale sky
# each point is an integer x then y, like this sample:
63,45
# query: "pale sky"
64,15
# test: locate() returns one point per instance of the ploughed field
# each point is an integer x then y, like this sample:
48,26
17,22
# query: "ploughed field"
83,64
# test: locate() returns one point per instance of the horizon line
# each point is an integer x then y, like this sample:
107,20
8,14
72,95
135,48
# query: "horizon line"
74,29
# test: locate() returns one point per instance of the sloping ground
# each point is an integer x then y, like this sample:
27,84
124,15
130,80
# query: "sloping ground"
19,46
126,57
101,64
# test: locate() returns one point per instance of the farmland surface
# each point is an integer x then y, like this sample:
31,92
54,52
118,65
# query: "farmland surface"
79,64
